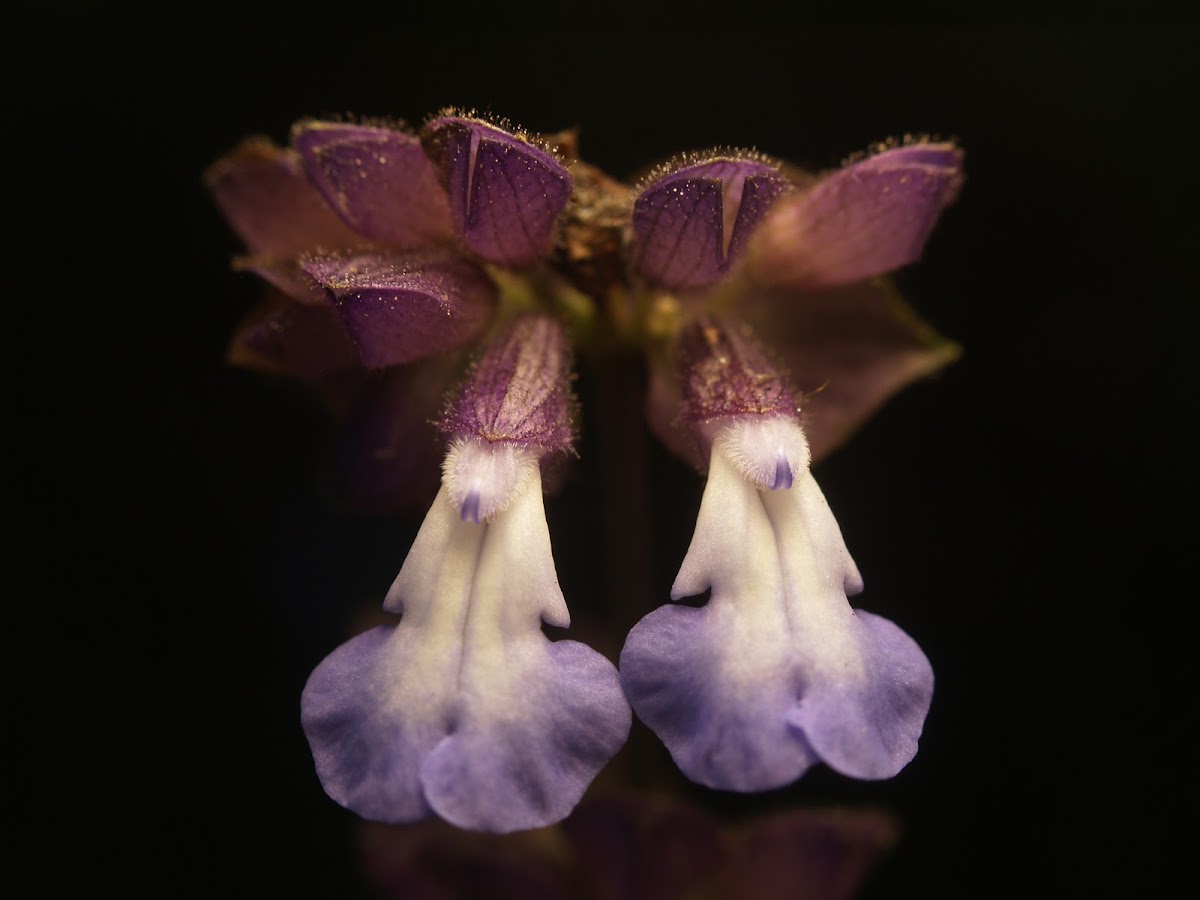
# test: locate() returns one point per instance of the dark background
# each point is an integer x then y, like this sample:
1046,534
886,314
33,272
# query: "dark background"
1024,515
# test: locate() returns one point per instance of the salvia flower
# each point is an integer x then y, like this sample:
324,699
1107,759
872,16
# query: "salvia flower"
466,708
443,281
776,672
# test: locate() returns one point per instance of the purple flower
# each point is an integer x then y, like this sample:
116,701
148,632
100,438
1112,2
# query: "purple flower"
465,708
776,672
439,280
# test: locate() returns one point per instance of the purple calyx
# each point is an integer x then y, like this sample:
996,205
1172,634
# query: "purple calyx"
398,308
691,224
378,179
506,193
868,218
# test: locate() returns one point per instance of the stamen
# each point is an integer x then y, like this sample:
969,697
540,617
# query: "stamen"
769,451
470,506
783,471
482,478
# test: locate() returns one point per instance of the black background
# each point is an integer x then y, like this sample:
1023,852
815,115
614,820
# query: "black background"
1024,515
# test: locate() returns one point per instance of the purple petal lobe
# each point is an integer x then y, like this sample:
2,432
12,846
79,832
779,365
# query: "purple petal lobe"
262,191
519,389
378,179
366,751
863,220
869,729
689,225
725,735
398,309
506,194
529,767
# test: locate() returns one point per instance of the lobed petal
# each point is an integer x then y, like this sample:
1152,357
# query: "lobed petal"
715,683
372,711
776,672
262,191
465,708
866,219
544,720
399,308
506,194
869,727
869,684
689,225
378,179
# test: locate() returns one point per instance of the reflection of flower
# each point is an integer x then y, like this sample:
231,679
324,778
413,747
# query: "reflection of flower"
441,277
376,243
635,847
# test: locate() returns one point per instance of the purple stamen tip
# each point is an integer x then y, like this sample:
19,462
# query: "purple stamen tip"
470,506
783,472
